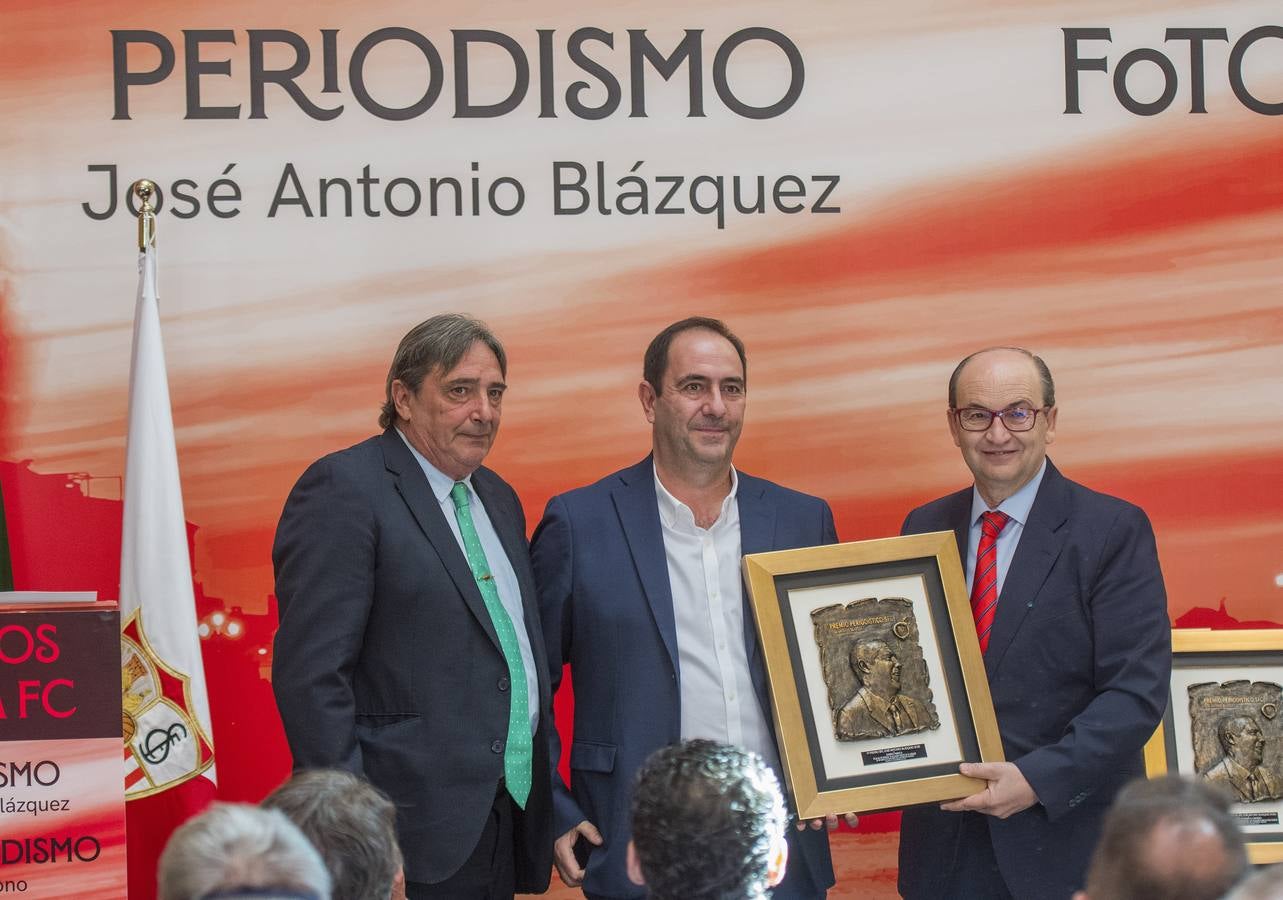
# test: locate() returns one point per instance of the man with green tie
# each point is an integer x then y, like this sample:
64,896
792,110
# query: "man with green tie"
404,653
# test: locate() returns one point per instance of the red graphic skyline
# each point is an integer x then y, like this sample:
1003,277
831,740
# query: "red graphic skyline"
237,644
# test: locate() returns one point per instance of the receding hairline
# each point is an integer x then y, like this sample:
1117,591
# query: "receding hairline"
659,351
706,332
1041,372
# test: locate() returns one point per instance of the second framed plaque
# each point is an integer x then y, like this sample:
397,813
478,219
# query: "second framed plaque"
1223,725
877,681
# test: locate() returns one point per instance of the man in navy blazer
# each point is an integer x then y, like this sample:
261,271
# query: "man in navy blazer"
389,662
1077,651
640,592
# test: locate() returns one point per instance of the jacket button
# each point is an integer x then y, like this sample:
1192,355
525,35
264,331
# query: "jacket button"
503,683
496,747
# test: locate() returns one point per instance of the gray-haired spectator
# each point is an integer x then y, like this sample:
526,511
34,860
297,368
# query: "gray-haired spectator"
1171,838
234,850
708,824
352,824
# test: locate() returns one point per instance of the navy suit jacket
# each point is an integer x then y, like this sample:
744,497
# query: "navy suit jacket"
607,610
387,663
1079,664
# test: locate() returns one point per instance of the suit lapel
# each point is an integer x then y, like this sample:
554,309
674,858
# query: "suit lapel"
413,487
880,712
507,524
960,520
1040,544
957,516
638,512
757,535
757,517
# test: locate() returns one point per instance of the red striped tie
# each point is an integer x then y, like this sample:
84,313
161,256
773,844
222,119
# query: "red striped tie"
984,587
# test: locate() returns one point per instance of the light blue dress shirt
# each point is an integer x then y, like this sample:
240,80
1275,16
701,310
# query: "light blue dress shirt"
505,577
1016,506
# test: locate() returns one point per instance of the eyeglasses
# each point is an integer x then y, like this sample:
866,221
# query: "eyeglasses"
977,418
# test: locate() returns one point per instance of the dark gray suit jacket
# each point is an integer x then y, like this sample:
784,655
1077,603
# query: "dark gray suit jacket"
1079,664
386,662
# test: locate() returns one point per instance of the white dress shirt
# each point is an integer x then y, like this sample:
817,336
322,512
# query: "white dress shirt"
718,701
1016,506
505,578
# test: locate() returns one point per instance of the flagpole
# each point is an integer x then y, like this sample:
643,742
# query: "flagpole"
143,190
169,750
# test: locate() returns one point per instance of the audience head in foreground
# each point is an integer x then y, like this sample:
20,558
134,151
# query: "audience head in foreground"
1170,838
708,824
234,850
353,826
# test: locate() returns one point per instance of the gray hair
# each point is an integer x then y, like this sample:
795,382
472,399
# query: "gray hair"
352,824
235,848
1125,865
1044,375
435,344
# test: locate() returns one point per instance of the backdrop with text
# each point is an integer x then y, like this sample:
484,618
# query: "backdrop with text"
864,193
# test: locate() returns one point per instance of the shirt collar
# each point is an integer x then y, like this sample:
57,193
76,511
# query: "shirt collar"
670,508
439,481
1016,506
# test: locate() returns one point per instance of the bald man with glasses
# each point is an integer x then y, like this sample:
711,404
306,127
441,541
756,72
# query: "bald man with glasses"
1071,615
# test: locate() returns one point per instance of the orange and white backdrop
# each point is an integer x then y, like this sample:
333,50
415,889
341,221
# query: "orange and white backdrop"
865,192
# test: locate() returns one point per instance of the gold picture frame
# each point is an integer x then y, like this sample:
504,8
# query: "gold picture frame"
892,611
1225,657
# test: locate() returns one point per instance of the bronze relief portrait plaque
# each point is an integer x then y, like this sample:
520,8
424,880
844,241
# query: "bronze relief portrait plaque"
1235,732
876,679
1224,723
877,683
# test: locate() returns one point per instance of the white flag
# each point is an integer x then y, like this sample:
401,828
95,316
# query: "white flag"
168,739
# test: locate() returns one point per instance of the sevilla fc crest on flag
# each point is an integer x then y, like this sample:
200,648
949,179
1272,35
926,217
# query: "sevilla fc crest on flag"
164,743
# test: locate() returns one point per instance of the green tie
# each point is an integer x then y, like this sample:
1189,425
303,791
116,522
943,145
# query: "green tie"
518,750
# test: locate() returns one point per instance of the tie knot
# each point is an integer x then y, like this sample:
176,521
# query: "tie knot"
459,494
992,523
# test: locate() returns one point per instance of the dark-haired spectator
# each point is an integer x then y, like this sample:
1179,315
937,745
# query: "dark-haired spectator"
708,824
1171,838
234,850
353,826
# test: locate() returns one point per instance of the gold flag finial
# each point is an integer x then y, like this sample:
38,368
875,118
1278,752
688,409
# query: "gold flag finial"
143,190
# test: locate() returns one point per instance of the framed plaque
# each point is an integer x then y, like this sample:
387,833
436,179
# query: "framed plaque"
1224,723
877,682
